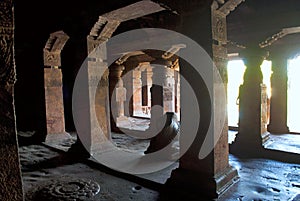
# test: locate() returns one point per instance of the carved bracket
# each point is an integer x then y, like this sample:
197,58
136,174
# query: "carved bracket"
173,50
229,6
53,48
109,22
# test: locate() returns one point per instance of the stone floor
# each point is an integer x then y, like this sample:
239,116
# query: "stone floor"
54,174
284,142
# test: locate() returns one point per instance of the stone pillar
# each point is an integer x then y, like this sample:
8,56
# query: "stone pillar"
205,177
144,88
169,91
53,84
128,84
250,138
146,83
157,94
278,102
91,101
137,92
10,176
177,93
115,73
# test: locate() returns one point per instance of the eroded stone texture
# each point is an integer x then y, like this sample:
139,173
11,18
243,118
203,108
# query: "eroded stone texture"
10,177
54,101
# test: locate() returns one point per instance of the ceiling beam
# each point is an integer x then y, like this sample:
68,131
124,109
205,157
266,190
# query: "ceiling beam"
284,32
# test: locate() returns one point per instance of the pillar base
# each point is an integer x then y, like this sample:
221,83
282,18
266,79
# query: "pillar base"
202,185
278,129
247,147
57,137
56,140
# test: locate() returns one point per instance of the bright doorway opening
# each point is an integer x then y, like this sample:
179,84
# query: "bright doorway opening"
294,95
235,71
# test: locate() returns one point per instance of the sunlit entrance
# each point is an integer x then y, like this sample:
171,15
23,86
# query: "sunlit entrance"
235,70
293,94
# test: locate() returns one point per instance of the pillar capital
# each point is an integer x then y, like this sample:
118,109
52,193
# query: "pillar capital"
253,56
53,48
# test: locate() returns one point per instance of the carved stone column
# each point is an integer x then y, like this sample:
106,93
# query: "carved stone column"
169,91
278,102
91,101
128,84
207,177
157,93
146,83
10,174
137,92
55,118
115,73
177,93
250,137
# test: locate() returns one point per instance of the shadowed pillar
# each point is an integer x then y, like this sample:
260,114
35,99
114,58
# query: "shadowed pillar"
278,102
252,133
169,91
115,73
204,175
157,93
55,118
10,174
128,84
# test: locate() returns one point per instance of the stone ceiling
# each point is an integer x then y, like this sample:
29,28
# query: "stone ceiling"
254,21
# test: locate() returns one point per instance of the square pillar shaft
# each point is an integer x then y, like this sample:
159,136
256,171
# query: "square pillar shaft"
10,174
115,73
209,176
54,101
128,84
278,102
